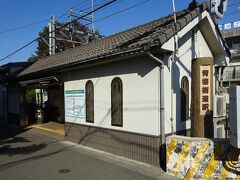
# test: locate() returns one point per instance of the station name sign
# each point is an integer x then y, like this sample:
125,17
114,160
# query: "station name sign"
229,26
205,89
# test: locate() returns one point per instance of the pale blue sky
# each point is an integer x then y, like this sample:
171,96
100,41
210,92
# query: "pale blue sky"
16,13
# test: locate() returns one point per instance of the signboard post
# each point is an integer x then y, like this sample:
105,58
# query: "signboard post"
202,98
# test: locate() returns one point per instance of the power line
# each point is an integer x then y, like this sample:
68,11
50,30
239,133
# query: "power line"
47,20
88,4
106,4
112,4
23,27
42,21
29,25
121,11
18,49
97,4
100,3
79,4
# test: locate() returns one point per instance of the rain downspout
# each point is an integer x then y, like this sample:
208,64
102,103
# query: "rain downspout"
162,109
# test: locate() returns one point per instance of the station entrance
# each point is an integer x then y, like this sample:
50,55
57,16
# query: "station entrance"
42,102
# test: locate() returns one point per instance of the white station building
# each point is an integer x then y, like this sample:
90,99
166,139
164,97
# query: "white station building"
121,93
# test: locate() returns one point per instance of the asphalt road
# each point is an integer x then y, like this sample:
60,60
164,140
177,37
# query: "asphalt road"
30,155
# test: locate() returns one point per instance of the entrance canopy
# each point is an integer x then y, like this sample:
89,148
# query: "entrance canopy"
40,81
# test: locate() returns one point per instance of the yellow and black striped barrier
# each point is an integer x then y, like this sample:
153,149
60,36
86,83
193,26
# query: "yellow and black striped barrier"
201,158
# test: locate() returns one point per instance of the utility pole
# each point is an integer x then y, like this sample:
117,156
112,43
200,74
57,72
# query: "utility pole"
93,29
70,29
90,19
52,36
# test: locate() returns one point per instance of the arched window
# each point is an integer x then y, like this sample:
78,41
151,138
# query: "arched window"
184,99
89,97
117,102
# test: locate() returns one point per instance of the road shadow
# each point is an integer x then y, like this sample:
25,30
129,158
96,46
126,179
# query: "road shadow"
24,150
12,143
227,155
8,131
36,157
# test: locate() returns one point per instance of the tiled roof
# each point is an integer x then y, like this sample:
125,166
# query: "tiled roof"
154,33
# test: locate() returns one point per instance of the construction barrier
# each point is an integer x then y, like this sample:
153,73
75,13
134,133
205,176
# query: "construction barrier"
201,158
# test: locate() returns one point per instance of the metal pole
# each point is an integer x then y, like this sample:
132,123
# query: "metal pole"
50,38
93,29
162,112
173,61
53,34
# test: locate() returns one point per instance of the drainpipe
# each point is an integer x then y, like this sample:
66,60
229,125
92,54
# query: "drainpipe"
172,91
219,80
162,107
162,110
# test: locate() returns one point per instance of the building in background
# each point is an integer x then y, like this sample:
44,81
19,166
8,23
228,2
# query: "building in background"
231,34
10,92
227,76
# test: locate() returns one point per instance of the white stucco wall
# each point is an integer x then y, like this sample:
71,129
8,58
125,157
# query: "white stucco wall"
141,84
191,45
201,46
140,77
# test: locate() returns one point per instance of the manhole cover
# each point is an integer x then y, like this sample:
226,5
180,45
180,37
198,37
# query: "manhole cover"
64,171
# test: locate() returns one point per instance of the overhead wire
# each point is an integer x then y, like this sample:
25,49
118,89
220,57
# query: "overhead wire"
61,26
121,11
100,19
47,20
40,21
24,26
88,4
29,25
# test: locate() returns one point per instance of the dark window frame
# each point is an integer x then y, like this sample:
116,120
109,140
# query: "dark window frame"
184,99
89,88
116,106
